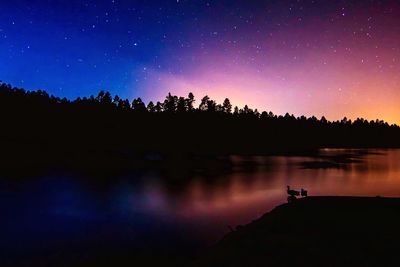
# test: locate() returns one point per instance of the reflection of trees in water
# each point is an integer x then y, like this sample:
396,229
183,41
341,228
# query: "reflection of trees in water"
363,161
345,159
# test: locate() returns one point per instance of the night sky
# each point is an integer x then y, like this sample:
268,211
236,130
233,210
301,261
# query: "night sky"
332,58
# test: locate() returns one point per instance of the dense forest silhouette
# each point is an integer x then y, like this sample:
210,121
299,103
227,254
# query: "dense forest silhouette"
38,128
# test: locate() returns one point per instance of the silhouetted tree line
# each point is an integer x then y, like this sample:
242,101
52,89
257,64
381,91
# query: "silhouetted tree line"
109,125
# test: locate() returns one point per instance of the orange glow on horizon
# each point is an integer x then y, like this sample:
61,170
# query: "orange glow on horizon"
333,68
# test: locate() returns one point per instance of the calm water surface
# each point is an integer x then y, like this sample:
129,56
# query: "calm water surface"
63,213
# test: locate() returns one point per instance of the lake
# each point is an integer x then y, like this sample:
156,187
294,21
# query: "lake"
68,218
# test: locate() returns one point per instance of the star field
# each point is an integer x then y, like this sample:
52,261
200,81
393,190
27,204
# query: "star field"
307,57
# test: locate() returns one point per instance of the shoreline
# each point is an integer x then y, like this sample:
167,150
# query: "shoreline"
315,231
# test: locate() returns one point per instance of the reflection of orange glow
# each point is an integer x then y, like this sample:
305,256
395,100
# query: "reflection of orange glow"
236,195
243,197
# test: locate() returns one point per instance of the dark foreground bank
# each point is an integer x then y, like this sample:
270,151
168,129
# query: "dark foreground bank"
316,231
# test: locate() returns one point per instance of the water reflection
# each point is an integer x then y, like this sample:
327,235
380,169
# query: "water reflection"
258,184
148,208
